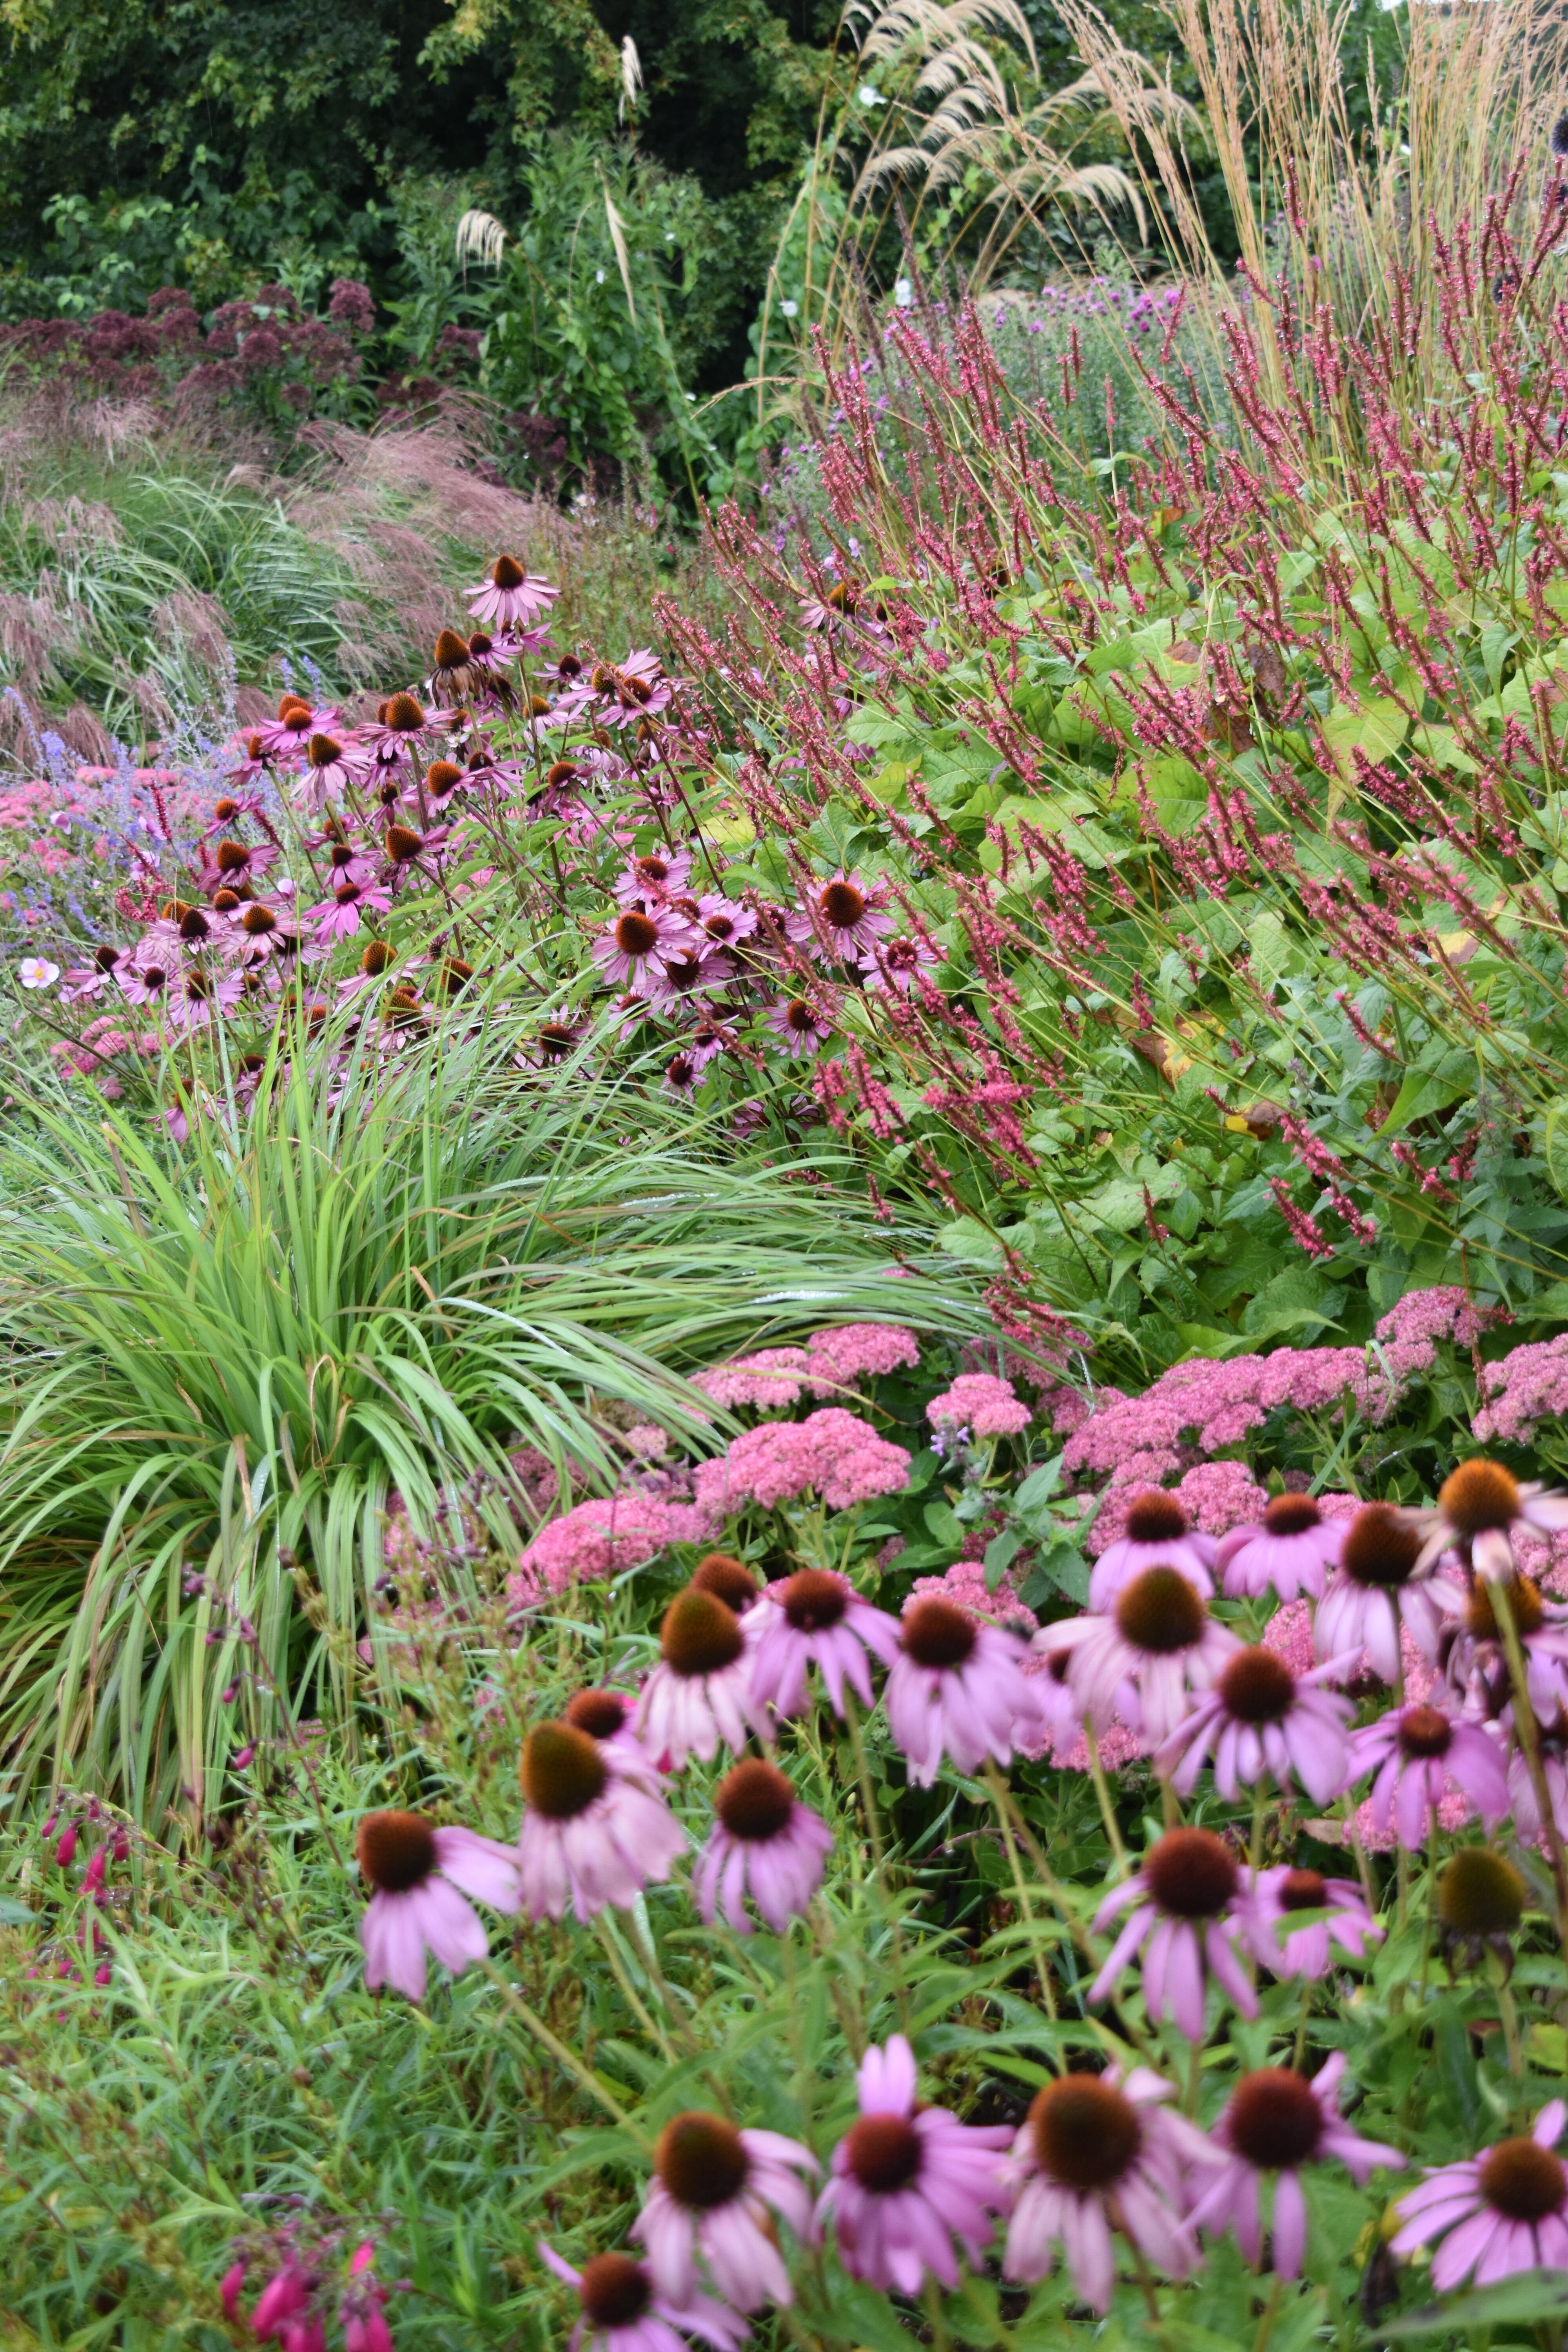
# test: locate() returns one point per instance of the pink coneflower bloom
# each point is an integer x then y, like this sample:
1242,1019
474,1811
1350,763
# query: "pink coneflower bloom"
1275,2121
679,1081
1186,1920
338,917
1475,1648
842,918
196,997
905,2180
1156,1533
631,954
724,923
234,862
957,1687
291,732
898,963
647,880
1478,1505
1374,1589
708,2200
417,1871
594,1831
330,766
1503,2211
684,977
1280,1896
1552,1738
707,1041
89,980
401,723
799,1027
607,1715
1425,1752
816,1618
253,932
623,2311
764,1842
145,979
511,598
1261,1717
1288,1554
1097,2153
1145,1659
700,1693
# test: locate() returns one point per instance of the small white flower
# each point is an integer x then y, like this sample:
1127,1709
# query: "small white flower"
34,971
598,277
868,96
790,310
903,294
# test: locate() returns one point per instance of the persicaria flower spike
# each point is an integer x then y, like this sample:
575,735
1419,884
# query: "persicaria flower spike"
957,1688
421,1876
1501,2211
1184,1920
709,2204
907,2179
1277,2120
594,1831
765,1843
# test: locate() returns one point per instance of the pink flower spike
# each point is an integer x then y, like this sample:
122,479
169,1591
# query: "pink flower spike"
1289,1553
422,1876
958,1688
815,1617
709,2203
621,2310
1275,2121
908,2179
65,1853
765,1843
595,1830
282,2296
1280,1897
1423,1754
93,1875
1156,1533
1259,1717
229,2290
1186,1912
362,2257
1498,2213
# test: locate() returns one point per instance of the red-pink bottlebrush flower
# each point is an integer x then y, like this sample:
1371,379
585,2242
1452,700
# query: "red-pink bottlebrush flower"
623,2311
1503,2211
1186,1920
1098,2154
229,2290
1422,1754
1295,1917
511,598
1145,1659
1275,2121
1259,1716
422,1876
1290,1553
816,1618
958,1688
1479,1505
700,1693
765,1843
908,2178
709,2202
1374,1589
594,1833
982,1402
1156,1533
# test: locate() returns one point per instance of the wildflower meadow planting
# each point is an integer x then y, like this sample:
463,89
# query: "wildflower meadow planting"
783,1476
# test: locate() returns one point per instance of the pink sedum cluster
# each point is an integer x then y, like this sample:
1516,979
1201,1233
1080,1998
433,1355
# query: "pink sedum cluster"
773,1379
982,1402
603,1536
1140,1441
830,1453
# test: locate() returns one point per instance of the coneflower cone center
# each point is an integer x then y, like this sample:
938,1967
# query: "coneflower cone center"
395,1851
402,844
729,1578
798,1016
1275,2121
1154,1517
1523,2179
507,572
1524,1602
599,1713
404,715
451,650
1191,1873
614,2291
1291,1514
700,1635
562,1770
636,936
1086,2133
1158,1611
258,921
1380,1549
937,1634
755,1800
1257,1686
884,2153
324,751
1424,1731
232,858
700,2161
653,871
815,1599
842,906
1480,1893
1477,1495
1303,1890
443,776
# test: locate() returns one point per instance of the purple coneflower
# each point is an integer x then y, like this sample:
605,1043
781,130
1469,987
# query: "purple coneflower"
798,1027
1503,2211
657,876
712,2190
1476,1652
594,1831
957,1687
631,953
338,917
511,598
1146,1656
1279,1896
1374,1588
842,917
1261,1717
766,1842
1096,2155
623,2311
700,1693
422,1876
816,1617
606,1716
898,963
1478,1505
1551,1740
1187,1918
907,2179
1424,1752
330,767
291,732
1289,1553
1275,2121
1156,1533
724,923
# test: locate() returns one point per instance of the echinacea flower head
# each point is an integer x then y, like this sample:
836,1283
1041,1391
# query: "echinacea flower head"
816,1618
1422,1754
511,598
1144,1659
1479,1505
700,1693
1259,1716
721,1573
1185,1918
1503,2211
908,2178
1480,1902
656,875
422,1876
841,917
709,2203
1376,1588
1095,2154
765,1843
621,2310
798,1027
1156,1533
957,1688
1476,1652
607,1714
1275,2121
1295,1917
1287,1552
594,1831
631,953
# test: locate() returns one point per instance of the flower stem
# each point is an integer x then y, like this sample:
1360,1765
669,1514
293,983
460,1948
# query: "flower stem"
634,1998
1271,2313
592,2083
1102,1792
1529,1741
1000,1796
